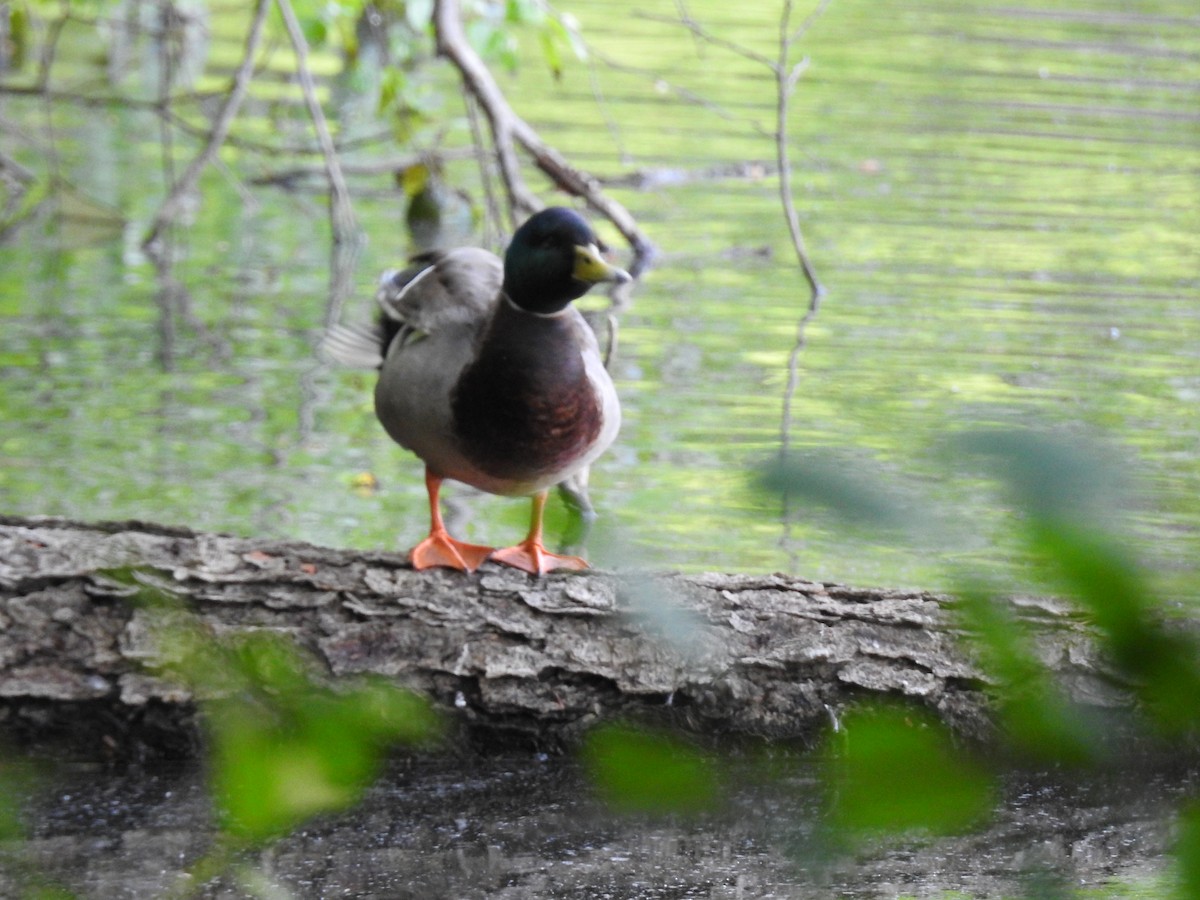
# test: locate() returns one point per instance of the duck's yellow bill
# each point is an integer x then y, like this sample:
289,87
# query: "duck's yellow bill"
591,267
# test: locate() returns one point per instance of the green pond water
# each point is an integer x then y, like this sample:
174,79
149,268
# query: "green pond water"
1003,203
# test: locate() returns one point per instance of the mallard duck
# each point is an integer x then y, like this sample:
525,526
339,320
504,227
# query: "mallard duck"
491,376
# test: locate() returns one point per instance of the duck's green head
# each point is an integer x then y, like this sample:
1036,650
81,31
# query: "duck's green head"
553,259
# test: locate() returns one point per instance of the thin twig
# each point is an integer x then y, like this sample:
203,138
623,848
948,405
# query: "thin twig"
50,47
453,44
786,74
389,166
686,15
786,77
169,211
588,57
665,84
708,37
10,169
166,68
17,181
491,219
249,201
109,99
170,296
341,214
610,122
809,21
343,264
45,63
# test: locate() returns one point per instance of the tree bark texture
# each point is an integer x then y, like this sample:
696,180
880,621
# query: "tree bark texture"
505,653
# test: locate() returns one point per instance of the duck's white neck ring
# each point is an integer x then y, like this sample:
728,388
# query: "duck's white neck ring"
529,312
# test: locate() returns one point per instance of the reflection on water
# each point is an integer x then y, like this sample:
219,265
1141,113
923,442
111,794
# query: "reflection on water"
524,827
1002,204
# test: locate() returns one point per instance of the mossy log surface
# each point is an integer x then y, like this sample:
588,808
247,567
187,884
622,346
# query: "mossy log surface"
508,655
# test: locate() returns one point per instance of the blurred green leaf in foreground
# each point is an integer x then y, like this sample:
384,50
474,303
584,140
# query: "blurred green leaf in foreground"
894,770
638,770
284,746
1069,526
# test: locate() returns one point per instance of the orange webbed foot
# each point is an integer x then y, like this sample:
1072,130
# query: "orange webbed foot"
532,557
439,549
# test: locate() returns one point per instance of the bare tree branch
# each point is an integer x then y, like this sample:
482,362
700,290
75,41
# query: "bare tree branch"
809,21
508,128
341,214
50,47
491,219
684,18
452,43
11,169
169,210
786,77
388,166
16,180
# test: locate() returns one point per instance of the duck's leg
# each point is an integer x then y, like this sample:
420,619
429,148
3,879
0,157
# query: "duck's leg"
531,555
439,549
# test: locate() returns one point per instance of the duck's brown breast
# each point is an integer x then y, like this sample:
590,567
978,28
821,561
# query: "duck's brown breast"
526,406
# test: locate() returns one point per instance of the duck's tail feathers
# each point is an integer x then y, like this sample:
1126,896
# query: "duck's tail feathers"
356,346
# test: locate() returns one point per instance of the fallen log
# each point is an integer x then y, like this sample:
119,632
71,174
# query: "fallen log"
507,654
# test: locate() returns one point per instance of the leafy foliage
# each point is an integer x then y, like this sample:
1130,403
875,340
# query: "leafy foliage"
639,770
1042,725
1056,485
284,746
892,769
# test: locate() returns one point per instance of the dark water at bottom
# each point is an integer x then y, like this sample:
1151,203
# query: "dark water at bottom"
530,826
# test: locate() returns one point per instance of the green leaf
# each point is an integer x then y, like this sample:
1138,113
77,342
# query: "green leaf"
266,781
897,770
551,54
1187,852
524,12
19,34
1039,721
1064,491
285,745
392,87
846,487
315,31
556,34
502,47
1049,476
47,892
644,771
15,778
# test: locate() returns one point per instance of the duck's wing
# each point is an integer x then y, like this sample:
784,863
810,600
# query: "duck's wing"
456,287
438,289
